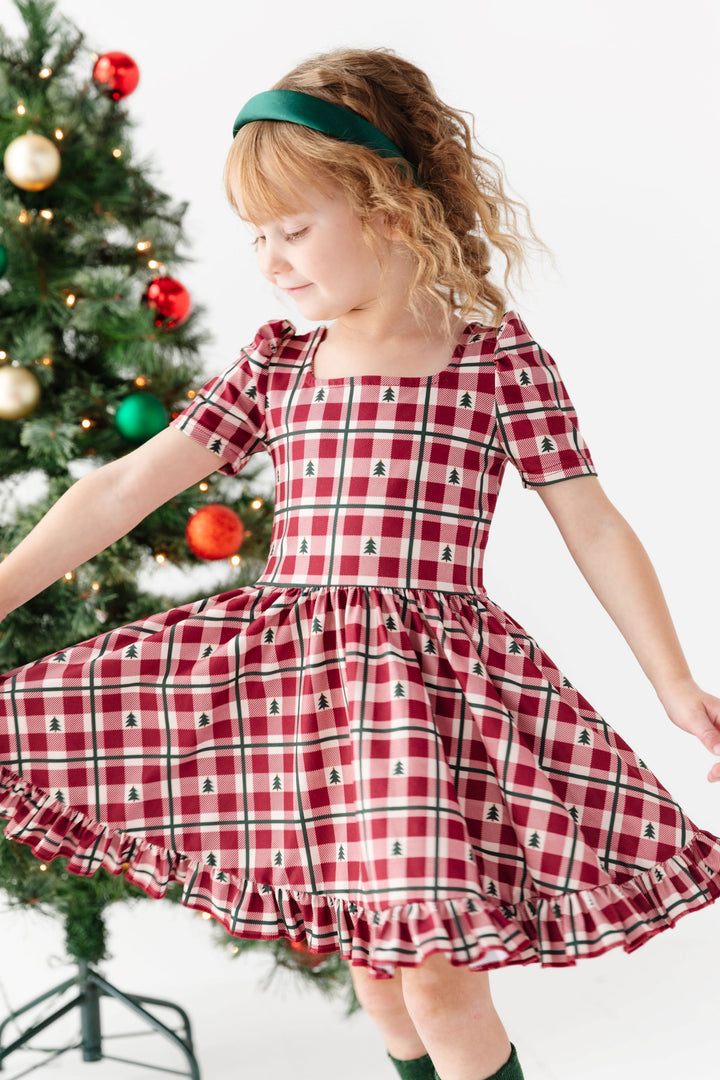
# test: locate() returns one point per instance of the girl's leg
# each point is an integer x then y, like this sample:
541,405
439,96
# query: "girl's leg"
383,1000
453,1012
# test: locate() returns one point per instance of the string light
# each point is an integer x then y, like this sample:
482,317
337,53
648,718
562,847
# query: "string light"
141,381
154,264
23,217
86,423
70,299
20,109
117,152
160,559
204,485
43,866
46,73
3,355
95,586
191,393
256,503
59,134
47,214
69,576
206,915
236,560
143,245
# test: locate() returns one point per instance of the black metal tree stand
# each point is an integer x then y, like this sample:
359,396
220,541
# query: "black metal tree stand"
92,987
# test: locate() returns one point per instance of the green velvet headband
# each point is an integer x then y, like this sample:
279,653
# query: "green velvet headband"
321,115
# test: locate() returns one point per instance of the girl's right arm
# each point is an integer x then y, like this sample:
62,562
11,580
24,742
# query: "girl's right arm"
100,508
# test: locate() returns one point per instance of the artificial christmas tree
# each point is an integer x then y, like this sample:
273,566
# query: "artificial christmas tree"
99,348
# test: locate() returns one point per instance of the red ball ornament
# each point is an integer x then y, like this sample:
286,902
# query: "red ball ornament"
214,532
117,74
170,299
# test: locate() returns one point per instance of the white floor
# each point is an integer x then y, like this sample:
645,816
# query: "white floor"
652,1013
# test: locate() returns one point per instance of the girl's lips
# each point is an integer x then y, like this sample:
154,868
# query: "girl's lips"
297,288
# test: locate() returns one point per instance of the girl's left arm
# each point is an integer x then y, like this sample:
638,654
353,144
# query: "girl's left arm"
619,571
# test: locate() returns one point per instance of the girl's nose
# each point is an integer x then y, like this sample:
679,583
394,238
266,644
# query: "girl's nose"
272,259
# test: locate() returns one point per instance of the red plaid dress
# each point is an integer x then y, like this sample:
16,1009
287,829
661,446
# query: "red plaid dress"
361,751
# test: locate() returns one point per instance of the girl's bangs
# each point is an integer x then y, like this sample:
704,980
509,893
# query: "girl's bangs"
263,173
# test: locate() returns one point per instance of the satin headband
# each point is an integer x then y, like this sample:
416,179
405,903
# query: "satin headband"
321,115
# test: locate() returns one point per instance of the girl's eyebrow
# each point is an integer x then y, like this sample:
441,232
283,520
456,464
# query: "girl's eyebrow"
280,220
259,230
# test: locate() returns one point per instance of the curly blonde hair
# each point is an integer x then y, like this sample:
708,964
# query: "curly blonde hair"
448,227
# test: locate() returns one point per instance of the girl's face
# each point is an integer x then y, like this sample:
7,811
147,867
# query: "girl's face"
319,256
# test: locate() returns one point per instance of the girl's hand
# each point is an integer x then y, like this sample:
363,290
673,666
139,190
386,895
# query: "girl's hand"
693,710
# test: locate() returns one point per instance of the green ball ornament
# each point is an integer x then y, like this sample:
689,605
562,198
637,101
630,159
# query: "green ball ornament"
3,260
140,416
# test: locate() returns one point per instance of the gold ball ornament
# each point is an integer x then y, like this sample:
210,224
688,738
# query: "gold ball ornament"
20,392
32,162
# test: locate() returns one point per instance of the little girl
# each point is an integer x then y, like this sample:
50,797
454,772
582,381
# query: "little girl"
362,751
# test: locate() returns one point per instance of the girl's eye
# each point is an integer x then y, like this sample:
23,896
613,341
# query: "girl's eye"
291,236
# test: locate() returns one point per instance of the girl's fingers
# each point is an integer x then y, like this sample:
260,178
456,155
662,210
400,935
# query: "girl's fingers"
695,722
699,715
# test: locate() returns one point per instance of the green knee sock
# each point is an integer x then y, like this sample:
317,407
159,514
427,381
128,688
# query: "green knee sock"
509,1071
420,1068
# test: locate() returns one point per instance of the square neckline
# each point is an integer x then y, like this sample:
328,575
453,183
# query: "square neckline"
408,380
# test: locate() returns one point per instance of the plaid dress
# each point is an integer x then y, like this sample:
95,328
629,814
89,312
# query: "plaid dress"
361,751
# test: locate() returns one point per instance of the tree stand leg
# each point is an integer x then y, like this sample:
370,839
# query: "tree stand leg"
92,987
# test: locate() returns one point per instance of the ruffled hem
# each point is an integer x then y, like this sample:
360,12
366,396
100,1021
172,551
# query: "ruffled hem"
470,931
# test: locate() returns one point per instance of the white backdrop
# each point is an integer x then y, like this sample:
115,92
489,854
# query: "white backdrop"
605,116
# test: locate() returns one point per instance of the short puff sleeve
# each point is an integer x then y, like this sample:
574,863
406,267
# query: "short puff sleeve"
227,414
537,422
